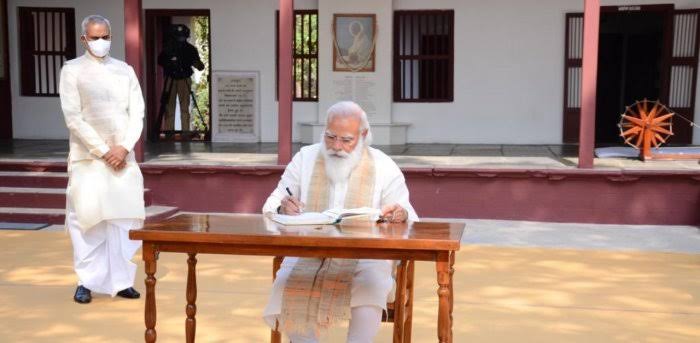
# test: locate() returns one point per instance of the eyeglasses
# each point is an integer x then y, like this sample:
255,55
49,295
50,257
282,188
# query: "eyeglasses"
346,140
94,38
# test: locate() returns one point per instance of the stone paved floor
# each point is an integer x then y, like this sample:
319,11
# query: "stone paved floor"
543,282
409,155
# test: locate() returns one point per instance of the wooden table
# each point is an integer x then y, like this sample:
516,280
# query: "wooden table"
258,235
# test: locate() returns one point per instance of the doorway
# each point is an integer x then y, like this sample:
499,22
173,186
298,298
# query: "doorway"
646,51
5,93
631,66
161,89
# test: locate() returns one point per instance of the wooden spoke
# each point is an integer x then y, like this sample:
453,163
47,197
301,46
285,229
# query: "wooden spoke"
660,130
638,143
662,119
630,111
659,138
652,139
634,120
631,131
646,123
654,110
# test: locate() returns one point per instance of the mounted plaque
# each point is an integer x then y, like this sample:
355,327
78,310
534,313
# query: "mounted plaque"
236,106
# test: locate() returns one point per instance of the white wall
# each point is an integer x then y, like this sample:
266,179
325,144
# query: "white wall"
508,73
243,39
381,76
508,66
41,117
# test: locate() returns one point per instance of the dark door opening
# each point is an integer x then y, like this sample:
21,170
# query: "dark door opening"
5,94
158,32
631,66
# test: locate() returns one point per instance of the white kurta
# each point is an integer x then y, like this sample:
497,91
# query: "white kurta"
103,107
372,281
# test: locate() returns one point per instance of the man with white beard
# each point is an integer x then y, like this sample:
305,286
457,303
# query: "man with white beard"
103,108
342,171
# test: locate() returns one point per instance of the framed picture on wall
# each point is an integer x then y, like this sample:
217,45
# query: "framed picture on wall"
354,41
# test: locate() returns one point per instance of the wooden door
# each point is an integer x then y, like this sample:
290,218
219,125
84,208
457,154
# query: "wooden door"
5,93
573,61
684,72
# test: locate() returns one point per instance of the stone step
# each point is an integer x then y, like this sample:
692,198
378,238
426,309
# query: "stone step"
57,215
33,179
35,197
34,165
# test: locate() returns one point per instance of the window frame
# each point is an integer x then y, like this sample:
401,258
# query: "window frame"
297,56
31,48
398,57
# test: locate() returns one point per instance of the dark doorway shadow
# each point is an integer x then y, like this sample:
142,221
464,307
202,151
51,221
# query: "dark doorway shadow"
158,23
631,66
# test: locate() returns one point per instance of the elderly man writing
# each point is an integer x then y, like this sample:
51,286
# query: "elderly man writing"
342,171
103,108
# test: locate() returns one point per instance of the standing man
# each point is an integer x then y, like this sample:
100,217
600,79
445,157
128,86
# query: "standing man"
103,108
342,171
177,59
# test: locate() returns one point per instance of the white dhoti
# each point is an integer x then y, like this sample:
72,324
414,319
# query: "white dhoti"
102,255
371,286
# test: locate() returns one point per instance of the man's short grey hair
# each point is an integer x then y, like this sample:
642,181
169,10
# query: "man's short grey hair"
95,19
350,109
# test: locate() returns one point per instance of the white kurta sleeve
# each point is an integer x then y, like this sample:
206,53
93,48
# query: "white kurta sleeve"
394,190
290,178
136,112
72,113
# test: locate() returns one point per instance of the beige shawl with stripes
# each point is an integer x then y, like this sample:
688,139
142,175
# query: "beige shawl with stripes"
317,293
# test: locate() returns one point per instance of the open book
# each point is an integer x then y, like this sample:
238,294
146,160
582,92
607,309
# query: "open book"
333,216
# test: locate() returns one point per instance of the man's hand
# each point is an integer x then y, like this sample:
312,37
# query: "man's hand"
121,166
115,157
291,206
394,213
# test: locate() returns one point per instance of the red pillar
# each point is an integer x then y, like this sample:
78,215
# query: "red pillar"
134,50
591,25
284,131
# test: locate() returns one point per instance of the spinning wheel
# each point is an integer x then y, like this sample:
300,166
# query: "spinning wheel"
645,124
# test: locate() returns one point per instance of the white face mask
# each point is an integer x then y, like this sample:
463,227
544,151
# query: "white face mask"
100,47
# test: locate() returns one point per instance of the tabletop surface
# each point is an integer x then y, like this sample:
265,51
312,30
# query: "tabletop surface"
257,229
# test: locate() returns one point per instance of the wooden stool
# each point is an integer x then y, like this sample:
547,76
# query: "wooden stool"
399,312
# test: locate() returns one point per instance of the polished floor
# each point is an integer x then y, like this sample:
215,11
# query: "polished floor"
409,155
514,289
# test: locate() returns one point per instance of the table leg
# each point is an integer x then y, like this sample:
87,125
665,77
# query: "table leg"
400,302
452,293
409,309
191,309
149,258
275,335
444,295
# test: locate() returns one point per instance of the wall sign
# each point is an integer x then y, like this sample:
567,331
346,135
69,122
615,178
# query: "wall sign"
236,106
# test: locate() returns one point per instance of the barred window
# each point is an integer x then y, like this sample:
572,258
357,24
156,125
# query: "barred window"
423,56
47,40
304,54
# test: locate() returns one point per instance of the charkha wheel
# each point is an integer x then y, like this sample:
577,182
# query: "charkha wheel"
646,120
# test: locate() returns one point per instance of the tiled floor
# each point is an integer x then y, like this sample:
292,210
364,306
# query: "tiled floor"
420,155
514,282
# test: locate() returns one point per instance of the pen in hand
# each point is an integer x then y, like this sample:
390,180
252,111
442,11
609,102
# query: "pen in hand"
297,203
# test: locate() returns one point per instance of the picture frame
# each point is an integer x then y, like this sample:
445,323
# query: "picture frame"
354,38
